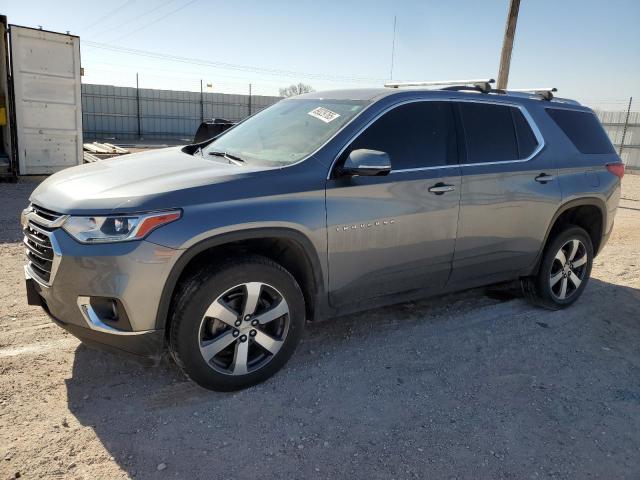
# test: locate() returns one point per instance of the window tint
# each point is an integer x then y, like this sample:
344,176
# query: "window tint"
489,131
583,129
415,135
527,142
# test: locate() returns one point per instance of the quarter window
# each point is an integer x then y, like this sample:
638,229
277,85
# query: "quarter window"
583,129
415,135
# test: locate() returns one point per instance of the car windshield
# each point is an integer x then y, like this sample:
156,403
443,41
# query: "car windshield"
284,133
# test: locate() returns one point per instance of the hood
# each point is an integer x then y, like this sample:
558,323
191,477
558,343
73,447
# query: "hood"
125,182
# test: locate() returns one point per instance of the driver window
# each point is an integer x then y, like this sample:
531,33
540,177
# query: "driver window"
415,135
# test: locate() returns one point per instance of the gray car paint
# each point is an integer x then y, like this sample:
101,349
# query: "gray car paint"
505,212
411,231
498,236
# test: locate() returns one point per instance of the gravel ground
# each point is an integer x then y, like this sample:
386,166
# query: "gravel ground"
471,385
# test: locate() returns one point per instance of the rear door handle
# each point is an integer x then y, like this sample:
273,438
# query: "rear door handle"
440,188
544,178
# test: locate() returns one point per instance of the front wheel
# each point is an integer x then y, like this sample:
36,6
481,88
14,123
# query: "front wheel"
564,271
236,325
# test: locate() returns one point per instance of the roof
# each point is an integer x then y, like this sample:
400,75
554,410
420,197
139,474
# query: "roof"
348,94
373,94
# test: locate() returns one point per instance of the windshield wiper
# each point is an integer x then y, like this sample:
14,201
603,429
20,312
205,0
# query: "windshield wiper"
232,158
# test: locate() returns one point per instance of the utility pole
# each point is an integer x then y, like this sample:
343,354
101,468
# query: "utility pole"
507,44
201,103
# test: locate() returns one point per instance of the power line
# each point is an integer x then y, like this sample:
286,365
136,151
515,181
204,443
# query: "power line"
107,15
189,75
129,21
232,66
154,21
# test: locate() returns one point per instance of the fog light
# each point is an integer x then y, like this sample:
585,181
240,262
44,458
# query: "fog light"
104,313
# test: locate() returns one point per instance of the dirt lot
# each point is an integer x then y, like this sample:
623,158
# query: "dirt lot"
466,386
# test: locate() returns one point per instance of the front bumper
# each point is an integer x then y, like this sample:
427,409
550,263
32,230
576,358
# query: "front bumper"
145,347
129,273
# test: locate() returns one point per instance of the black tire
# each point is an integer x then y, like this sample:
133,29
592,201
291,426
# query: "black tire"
200,292
539,289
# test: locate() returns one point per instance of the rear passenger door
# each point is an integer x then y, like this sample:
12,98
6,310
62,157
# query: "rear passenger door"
510,193
395,233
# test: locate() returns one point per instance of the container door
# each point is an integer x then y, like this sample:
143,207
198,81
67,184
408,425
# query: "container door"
46,81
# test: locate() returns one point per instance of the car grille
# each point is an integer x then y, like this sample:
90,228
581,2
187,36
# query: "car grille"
37,241
46,214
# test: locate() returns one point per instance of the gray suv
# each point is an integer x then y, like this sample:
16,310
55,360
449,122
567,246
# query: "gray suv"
321,205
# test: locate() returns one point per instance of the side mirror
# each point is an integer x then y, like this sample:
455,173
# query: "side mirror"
367,163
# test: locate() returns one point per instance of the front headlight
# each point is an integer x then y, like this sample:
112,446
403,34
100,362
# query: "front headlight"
117,228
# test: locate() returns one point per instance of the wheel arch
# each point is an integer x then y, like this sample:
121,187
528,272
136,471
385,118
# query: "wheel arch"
288,247
589,213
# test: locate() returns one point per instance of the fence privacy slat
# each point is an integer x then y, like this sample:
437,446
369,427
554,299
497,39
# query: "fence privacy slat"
111,112
614,125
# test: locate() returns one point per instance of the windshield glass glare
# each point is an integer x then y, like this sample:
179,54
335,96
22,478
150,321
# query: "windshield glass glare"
286,132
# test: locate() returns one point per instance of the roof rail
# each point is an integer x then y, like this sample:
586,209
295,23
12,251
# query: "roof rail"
484,85
545,93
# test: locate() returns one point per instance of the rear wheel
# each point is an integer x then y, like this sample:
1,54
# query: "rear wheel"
564,271
238,324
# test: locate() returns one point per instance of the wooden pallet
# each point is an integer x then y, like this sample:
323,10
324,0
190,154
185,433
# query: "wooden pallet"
97,151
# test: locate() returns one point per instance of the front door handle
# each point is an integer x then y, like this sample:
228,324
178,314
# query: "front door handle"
440,188
544,178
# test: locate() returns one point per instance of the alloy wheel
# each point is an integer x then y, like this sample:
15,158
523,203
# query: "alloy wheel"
568,269
244,328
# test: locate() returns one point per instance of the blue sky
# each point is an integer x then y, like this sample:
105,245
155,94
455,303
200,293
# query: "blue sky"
588,49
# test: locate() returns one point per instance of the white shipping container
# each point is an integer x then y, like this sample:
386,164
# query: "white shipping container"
48,109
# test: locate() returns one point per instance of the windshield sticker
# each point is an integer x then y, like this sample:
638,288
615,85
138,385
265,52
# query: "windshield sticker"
324,114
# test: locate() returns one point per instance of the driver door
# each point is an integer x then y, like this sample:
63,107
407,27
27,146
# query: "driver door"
396,233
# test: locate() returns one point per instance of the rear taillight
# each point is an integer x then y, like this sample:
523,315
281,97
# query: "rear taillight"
616,168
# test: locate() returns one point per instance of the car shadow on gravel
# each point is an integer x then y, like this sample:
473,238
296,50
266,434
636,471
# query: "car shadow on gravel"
467,385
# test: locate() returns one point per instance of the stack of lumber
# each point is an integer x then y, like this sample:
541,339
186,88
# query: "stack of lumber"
97,151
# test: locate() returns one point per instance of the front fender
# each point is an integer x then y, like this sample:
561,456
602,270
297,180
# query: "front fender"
234,234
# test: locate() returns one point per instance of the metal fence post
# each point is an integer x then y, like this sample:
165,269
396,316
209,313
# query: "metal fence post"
201,103
138,106
624,129
249,99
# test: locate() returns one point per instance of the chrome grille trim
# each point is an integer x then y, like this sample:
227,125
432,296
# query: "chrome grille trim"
36,238
41,248
47,215
43,217
34,251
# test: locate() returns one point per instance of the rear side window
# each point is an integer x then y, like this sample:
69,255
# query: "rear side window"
489,131
527,142
415,135
583,129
